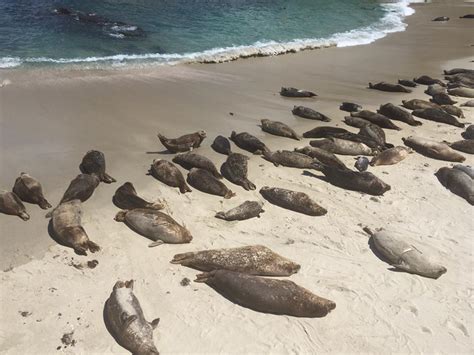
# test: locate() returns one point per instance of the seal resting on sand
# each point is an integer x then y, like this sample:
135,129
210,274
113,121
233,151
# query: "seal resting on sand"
403,256
467,16
390,156
279,129
248,142
376,118
434,89
324,132
81,187
465,168
267,295
458,71
427,80
94,163
221,145
11,204
407,83
66,223
458,182
469,103
433,149
124,318
453,110
126,198
441,18
322,156
442,99
350,107
235,169
468,133
293,92
289,159
204,181
398,114
168,174
465,145
309,113
183,143
462,91
383,86
292,200
246,210
437,115
250,260
342,146
193,160
154,225
417,104
29,189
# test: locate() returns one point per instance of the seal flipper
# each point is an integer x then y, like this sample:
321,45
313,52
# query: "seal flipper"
154,323
107,178
93,247
155,243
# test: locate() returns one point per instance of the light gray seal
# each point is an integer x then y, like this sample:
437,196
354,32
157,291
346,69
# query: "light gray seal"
453,110
458,182
246,210
462,92
391,156
342,146
433,149
416,104
290,159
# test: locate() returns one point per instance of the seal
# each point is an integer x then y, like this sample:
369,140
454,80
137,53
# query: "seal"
154,225
437,115
376,118
309,113
441,18
358,138
235,169
458,71
11,204
355,121
407,83
67,227
465,145
94,163
390,156
383,86
465,168
279,129
126,198
292,200
417,104
290,159
81,188
398,114
248,142
462,92
169,174
442,99
427,80
361,164
453,110
322,156
250,260
433,149
467,16
403,256
221,145
342,146
350,107
204,181
183,143
246,210
468,133
293,92
193,160
324,132
29,189
464,79
125,321
435,89
267,295
375,133
469,103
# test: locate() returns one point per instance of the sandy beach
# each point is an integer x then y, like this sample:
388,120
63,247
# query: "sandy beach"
50,119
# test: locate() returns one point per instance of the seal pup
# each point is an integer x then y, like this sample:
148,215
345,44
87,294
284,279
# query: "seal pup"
309,113
221,145
441,18
183,143
435,89
462,91
267,295
248,142
251,260
292,200
67,228
350,107
322,156
416,104
341,146
453,110
204,181
11,204
324,132
293,92
94,163
437,115
365,181
433,149
383,86
154,225
235,169
403,256
427,80
468,133
29,189
390,156
442,99
126,198
169,174
398,114
193,160
289,159
465,145
246,210
279,129
361,163
124,318
376,118
407,83
469,103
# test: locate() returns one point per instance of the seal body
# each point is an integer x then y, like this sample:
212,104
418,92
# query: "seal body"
469,103
290,159
465,145
81,188
193,160
376,118
462,91
293,92
248,142
204,181
235,169
29,189
355,121
427,80
247,210
309,113
221,145
432,149
435,89
407,83
361,164
390,156
67,227
267,295
183,143
375,133
465,168
169,174
126,198
341,146
125,320
324,132
350,107
383,86
437,115
251,260
398,114
279,129
94,163
453,110
292,200
441,18
322,156
154,225
442,99
458,181
467,16
417,104
359,138
458,71
11,204
469,132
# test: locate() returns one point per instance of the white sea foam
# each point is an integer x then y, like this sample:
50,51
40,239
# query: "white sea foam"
391,22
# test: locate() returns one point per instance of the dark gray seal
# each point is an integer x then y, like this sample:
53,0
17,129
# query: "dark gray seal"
375,133
355,121
267,295
309,113
458,71
293,92
324,132
441,19
94,163
183,143
468,133
458,182
417,104
221,145
290,159
465,145
383,86
292,200
342,146
11,204
169,174
279,129
427,80
442,99
29,189
437,115
467,16
350,107
193,160
433,149
81,187
453,110
466,168
126,322
204,181
322,156
246,210
398,114
248,142
126,198
235,169
407,83
376,118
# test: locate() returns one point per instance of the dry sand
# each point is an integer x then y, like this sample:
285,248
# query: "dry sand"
49,120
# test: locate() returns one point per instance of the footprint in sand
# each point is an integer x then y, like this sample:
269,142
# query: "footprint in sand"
456,325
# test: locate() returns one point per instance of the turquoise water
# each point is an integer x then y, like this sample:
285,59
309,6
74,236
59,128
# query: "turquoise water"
182,30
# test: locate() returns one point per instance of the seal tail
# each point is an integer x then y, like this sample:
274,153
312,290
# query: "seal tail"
107,178
184,188
44,204
93,247
220,215
248,185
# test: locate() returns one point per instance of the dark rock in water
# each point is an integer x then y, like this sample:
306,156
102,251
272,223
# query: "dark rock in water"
441,18
361,164
350,107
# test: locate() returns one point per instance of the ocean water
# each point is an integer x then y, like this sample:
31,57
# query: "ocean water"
138,32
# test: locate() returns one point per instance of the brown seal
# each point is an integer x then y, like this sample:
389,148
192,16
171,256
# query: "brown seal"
290,159
342,146
427,80
398,114
293,92
221,145
407,83
126,198
292,200
169,174
464,145
204,181
94,163
183,143
462,92
417,104
390,156
442,99
383,86
433,149
11,204
309,113
453,110
248,142
29,189
458,182
322,156
376,118
235,169
246,210
81,188
193,160
437,115
279,129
